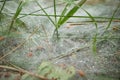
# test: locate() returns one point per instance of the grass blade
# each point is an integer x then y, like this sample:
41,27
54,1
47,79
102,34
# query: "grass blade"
63,13
112,17
92,18
56,25
3,6
72,12
55,11
19,9
95,17
94,48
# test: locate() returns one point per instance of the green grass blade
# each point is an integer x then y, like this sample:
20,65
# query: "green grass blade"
72,12
92,18
55,11
19,8
94,47
63,13
2,6
45,13
95,17
64,10
112,18
56,25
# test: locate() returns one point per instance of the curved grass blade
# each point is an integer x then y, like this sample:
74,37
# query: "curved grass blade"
112,18
92,18
63,13
65,10
72,12
94,48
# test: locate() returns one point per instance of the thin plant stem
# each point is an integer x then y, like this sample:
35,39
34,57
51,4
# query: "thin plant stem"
63,13
54,23
55,12
97,17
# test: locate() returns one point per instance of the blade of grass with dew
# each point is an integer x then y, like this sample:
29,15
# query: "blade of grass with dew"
112,18
95,37
45,12
71,12
19,9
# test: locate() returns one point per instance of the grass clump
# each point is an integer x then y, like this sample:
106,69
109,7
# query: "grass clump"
67,14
